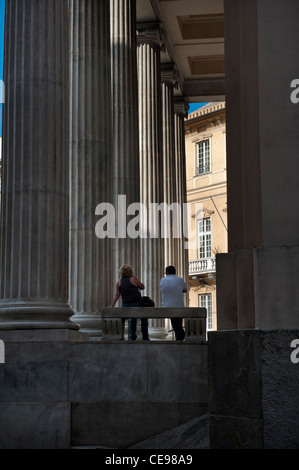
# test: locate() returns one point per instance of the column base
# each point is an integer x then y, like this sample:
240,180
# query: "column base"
89,323
19,316
258,288
157,330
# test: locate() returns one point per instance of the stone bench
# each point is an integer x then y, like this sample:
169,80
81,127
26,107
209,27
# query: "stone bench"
113,320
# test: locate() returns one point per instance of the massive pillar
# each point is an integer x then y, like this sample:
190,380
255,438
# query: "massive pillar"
90,156
151,163
252,374
34,200
262,150
126,173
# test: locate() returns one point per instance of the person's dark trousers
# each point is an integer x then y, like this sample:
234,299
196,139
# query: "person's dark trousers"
133,326
177,325
133,323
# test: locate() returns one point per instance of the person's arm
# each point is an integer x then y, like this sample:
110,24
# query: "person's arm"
117,294
137,283
184,287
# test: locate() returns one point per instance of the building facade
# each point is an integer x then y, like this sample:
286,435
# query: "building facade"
205,136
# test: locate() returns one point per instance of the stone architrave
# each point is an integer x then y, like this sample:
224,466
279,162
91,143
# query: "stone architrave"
126,170
91,285
34,222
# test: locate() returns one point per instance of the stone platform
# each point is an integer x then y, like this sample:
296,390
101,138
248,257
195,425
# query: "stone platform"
60,390
253,390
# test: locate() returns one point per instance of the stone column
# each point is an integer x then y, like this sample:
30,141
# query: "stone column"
262,164
169,167
126,171
34,222
180,112
151,164
91,283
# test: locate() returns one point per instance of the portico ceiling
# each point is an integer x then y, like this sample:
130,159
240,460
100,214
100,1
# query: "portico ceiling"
194,32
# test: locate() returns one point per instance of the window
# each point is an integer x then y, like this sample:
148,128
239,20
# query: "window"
204,238
205,301
203,157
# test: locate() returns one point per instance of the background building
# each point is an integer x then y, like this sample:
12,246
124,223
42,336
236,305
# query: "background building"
206,192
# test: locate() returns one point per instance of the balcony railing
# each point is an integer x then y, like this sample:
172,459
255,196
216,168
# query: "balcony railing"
201,266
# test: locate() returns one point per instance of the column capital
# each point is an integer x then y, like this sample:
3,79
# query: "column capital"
181,106
169,74
150,33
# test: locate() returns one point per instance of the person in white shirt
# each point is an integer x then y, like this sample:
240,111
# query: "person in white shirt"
173,288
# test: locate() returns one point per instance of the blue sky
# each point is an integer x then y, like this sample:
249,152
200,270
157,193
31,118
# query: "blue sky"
194,106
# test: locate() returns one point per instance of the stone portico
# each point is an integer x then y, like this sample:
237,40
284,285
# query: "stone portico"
63,153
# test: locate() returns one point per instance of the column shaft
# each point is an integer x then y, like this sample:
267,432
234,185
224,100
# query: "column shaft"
90,155
34,222
180,111
151,164
126,171
169,170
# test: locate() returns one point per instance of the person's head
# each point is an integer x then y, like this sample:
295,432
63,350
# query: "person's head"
170,270
126,271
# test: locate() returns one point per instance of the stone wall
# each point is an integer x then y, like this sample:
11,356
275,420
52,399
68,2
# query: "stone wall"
253,390
59,390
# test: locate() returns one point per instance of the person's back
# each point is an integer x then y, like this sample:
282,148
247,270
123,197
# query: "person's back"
129,292
172,288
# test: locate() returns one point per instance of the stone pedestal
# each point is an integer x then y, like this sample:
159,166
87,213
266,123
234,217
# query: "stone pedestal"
255,288
253,390
91,281
34,211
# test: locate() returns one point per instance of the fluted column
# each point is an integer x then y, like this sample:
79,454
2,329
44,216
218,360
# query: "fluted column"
34,202
91,285
149,43
180,112
169,168
151,163
126,172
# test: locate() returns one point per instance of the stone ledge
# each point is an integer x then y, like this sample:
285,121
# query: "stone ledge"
152,312
113,320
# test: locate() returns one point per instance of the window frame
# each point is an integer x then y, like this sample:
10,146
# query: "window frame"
204,235
198,145
209,306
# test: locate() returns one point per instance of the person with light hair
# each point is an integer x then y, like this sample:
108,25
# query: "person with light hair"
128,288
